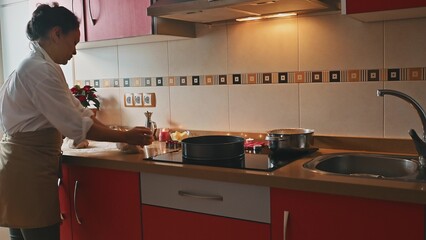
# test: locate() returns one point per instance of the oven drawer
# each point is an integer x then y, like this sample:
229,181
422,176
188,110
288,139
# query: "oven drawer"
233,200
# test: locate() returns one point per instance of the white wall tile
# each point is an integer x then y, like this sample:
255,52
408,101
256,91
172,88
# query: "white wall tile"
405,43
134,116
68,70
344,109
200,108
203,55
96,63
110,110
143,60
265,46
336,41
259,108
399,115
306,43
15,44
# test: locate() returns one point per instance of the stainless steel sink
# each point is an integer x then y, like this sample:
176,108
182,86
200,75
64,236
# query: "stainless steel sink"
367,165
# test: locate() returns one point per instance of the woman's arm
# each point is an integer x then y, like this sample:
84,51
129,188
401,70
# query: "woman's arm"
135,136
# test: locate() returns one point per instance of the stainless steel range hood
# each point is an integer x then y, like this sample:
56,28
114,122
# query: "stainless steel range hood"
208,11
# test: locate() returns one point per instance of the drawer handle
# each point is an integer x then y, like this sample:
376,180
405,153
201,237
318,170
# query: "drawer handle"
285,222
90,14
200,196
75,203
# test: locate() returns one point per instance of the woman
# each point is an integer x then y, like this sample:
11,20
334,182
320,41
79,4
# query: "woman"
36,111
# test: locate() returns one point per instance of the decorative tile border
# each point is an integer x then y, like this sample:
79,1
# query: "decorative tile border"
354,75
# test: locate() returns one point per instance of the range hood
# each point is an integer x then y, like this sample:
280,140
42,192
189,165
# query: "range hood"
209,11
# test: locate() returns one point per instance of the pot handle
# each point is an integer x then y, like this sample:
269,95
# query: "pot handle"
272,138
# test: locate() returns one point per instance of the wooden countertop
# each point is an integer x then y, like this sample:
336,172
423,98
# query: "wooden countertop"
292,176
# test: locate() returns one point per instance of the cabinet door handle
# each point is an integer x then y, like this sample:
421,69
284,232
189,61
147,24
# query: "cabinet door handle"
72,6
90,13
75,202
285,222
200,196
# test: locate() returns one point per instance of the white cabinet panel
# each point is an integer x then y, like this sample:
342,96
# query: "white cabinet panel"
234,200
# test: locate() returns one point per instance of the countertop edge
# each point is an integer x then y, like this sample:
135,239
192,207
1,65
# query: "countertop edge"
286,177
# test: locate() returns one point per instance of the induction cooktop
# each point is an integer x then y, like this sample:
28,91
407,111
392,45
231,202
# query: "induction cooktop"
263,161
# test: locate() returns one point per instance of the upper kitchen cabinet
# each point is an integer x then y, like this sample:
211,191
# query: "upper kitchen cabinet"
115,22
75,6
109,19
379,10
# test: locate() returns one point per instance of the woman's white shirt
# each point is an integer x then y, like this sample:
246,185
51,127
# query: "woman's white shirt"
36,96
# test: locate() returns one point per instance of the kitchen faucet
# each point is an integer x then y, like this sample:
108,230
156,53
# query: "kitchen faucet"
418,142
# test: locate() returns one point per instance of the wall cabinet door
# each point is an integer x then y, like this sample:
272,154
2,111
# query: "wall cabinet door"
332,217
164,223
363,6
106,204
76,6
108,19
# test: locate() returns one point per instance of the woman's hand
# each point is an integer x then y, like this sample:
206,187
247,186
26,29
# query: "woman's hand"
139,136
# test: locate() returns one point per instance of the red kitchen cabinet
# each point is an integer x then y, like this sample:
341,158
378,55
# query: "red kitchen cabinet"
105,204
380,10
108,19
65,204
164,223
332,217
76,6
363,6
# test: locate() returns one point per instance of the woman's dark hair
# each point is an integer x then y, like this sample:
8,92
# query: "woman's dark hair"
46,17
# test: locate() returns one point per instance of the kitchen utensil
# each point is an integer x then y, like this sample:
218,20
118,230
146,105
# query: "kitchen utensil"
290,139
213,147
151,124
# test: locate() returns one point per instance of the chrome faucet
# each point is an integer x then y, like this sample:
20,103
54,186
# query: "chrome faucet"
418,142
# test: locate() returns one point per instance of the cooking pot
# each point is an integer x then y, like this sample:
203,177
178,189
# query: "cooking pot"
213,147
293,139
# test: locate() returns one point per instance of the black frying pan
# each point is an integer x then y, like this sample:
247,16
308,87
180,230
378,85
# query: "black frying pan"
214,147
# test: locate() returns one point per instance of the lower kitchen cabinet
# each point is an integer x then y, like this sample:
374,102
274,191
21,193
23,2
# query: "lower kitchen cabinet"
162,223
183,208
297,215
65,204
105,204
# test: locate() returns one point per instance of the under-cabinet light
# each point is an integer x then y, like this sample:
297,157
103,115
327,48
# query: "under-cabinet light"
248,19
277,15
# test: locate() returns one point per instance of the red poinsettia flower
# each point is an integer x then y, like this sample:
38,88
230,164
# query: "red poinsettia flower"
86,95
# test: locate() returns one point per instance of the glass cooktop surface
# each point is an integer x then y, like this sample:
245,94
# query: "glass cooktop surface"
261,161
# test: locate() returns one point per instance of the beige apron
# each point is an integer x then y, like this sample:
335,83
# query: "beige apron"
29,164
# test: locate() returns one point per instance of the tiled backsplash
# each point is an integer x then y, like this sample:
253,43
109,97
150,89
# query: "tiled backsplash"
319,72
364,75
